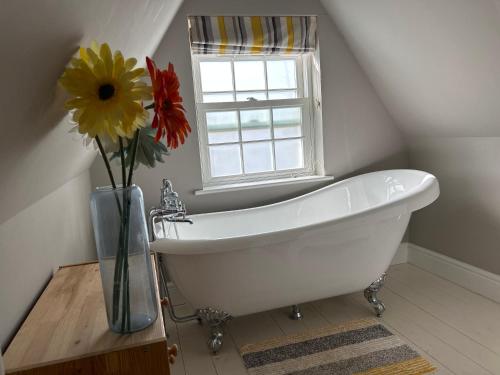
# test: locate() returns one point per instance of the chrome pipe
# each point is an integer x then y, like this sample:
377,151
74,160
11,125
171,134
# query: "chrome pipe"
170,307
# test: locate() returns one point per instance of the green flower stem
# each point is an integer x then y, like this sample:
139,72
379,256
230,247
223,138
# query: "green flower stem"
125,323
122,157
121,274
106,161
121,287
118,261
119,303
118,276
122,258
132,160
123,291
126,296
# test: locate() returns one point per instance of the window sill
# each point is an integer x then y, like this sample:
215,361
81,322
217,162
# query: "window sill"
263,184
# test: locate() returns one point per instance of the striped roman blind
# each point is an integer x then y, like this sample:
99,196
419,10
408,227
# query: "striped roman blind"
252,34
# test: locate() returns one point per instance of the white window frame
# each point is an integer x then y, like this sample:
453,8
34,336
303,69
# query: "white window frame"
304,89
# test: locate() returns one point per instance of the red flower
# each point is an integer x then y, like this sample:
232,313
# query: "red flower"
170,119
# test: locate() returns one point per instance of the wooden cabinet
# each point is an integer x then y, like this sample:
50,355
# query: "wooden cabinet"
67,333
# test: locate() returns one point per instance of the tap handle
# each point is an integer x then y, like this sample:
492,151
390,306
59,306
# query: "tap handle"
166,192
167,184
167,187
170,200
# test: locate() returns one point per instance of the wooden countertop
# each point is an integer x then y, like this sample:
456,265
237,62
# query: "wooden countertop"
69,322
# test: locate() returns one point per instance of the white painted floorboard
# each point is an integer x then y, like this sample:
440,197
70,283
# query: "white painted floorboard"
455,329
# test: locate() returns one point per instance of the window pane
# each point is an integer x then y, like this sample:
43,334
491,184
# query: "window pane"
287,131
255,124
222,127
289,154
281,74
287,122
218,98
248,95
249,75
216,76
225,160
283,94
258,157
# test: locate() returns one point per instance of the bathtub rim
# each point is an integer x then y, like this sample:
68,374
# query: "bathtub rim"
423,194
173,247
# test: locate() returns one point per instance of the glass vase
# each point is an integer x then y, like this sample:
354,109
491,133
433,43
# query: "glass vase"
121,238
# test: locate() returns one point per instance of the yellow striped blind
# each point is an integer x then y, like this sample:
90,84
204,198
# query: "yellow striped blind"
252,34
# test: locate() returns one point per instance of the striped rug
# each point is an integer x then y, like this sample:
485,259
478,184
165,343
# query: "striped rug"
357,347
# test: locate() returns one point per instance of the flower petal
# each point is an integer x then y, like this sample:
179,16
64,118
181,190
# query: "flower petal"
105,54
118,115
169,120
130,63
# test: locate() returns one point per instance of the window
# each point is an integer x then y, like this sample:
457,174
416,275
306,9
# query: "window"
255,119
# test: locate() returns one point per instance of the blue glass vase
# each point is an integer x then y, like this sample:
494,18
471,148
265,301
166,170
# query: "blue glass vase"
121,238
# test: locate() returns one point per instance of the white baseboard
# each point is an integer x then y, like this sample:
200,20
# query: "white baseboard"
469,277
401,255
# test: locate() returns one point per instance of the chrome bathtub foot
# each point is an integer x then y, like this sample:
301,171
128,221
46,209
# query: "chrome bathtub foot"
371,295
216,319
215,342
296,314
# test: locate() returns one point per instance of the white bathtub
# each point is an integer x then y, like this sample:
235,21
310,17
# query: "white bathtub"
333,241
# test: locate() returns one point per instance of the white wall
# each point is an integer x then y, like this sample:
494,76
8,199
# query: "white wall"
45,183
54,231
358,131
38,39
436,66
435,63
464,223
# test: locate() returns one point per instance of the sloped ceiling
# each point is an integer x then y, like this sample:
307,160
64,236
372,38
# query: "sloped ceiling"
38,38
434,63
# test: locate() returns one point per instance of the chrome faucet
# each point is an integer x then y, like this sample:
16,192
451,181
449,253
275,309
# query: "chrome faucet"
172,208
169,200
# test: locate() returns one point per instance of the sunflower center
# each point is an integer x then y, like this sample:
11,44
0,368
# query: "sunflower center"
106,91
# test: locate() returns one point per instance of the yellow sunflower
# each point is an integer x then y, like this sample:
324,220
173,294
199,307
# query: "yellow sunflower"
107,93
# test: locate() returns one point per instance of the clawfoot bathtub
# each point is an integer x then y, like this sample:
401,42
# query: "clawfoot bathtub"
336,240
